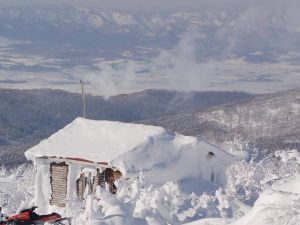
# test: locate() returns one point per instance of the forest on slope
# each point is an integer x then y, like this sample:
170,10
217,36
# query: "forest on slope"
267,122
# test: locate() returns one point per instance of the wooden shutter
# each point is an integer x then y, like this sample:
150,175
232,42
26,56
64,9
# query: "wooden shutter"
58,180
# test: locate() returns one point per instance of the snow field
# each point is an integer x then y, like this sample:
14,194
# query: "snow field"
271,187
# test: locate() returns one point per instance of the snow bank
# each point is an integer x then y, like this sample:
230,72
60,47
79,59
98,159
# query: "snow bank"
276,207
275,180
291,187
288,155
279,179
173,157
166,204
210,221
16,189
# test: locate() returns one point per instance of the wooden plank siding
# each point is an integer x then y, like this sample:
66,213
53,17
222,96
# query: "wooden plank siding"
58,181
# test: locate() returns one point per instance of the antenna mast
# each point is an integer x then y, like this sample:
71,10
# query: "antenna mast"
83,99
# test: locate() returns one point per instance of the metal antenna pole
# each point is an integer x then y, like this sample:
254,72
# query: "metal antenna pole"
83,99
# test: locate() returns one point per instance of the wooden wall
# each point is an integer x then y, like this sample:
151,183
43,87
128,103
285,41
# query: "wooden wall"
58,180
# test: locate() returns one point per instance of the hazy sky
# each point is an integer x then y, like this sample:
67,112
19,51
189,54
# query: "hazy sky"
159,5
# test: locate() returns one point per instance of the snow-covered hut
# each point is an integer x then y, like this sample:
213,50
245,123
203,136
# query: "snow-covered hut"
87,154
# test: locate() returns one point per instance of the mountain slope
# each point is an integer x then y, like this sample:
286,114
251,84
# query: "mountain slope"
270,121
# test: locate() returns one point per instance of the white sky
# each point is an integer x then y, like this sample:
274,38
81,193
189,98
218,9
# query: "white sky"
162,5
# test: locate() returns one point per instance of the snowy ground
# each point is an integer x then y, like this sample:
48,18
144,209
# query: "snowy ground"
16,188
257,192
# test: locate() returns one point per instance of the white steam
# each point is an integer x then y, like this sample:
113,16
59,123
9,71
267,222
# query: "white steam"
218,58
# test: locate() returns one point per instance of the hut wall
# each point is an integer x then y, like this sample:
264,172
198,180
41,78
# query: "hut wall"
42,184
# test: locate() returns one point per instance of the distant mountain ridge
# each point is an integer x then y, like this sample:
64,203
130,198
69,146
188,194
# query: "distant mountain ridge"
96,32
268,122
28,116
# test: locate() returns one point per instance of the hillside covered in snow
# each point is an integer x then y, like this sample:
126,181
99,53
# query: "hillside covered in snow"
267,122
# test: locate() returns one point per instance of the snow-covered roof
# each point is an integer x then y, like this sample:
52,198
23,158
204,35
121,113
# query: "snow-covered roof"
107,141
94,140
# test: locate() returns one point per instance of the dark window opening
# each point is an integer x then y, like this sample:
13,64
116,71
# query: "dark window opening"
212,177
210,154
